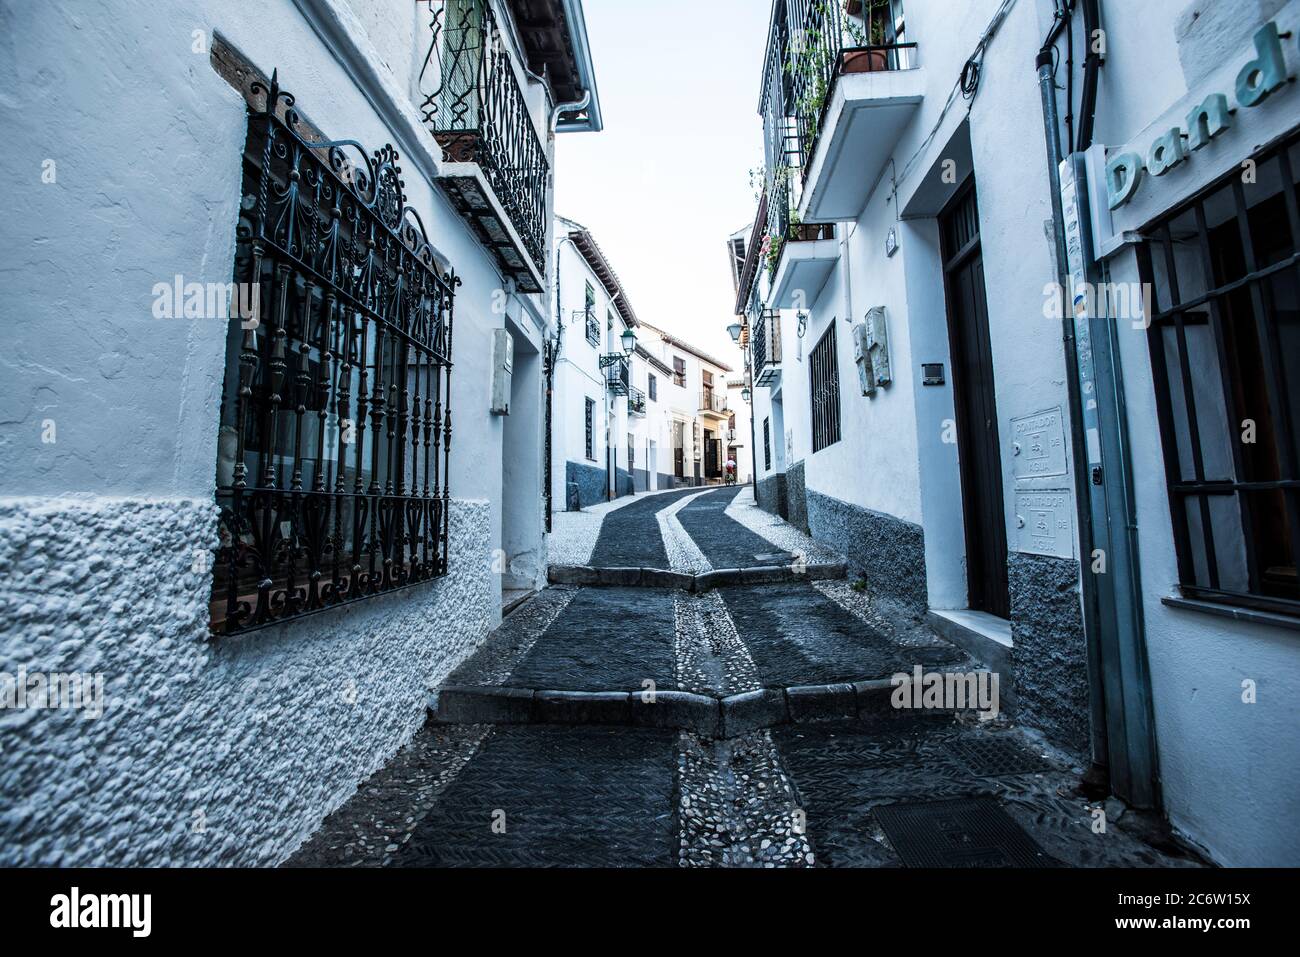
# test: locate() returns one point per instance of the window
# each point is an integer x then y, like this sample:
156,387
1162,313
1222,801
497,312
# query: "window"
334,443
591,430
824,375
1224,340
631,453
679,371
767,444
653,387
589,311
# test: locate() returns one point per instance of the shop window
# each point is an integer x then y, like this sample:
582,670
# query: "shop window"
1224,339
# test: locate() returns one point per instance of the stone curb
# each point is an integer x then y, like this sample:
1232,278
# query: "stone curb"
604,577
704,715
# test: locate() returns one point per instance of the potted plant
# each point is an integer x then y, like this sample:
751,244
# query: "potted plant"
872,32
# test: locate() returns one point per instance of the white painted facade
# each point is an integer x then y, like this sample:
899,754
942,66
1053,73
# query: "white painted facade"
633,440
1228,769
226,751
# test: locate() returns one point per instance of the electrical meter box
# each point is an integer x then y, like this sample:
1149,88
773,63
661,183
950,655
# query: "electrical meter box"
503,367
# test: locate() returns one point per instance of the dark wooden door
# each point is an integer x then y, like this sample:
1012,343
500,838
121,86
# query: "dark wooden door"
974,397
713,458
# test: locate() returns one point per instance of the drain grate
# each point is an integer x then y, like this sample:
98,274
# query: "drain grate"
775,558
969,832
992,757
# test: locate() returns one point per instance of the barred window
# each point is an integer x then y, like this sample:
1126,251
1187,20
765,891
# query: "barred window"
1224,340
589,315
767,444
824,376
335,435
653,388
591,430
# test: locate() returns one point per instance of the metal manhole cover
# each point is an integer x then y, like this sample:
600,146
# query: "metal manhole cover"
991,757
969,832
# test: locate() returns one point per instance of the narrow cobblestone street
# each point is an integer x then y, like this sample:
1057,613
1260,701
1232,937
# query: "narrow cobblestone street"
830,782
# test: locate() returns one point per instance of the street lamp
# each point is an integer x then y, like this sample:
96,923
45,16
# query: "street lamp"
746,394
629,340
734,330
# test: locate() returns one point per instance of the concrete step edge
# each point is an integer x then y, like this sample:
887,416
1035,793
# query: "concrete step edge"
611,577
708,716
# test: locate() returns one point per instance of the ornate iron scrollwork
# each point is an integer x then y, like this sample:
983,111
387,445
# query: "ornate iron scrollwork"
334,452
475,109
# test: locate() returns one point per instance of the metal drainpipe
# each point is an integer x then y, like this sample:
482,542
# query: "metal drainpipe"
1099,771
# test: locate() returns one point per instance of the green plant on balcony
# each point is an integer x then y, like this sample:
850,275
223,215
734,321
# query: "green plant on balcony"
772,246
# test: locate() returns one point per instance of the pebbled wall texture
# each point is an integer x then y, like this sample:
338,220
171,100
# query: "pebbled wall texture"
590,480
770,494
796,497
887,551
226,752
1049,654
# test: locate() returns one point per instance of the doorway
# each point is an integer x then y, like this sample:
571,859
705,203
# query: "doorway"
979,448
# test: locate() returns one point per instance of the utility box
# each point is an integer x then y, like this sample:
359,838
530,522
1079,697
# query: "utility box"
503,367
871,351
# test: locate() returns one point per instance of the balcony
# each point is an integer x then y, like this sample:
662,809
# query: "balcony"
765,344
495,169
636,402
801,256
592,325
618,374
839,88
713,403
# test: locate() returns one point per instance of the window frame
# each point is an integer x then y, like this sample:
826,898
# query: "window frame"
824,390
591,428
1214,307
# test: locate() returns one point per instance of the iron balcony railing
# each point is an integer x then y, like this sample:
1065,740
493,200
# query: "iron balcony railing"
618,374
811,43
766,345
476,110
636,402
713,401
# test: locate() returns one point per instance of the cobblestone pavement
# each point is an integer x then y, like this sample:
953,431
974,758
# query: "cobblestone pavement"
886,790
630,537
725,542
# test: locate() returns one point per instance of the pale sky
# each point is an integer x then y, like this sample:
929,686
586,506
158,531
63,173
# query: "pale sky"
667,181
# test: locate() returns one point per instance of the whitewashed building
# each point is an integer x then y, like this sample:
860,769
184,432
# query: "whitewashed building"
269,528
1100,495
634,409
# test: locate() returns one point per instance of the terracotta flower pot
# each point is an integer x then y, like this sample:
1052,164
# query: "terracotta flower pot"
865,61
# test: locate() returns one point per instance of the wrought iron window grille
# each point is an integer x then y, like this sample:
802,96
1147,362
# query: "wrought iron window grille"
1223,270
474,107
824,377
335,438
592,327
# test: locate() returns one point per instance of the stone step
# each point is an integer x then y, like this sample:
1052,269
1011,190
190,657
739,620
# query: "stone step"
707,716
606,577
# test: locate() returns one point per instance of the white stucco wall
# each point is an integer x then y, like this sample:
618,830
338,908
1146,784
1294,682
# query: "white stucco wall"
207,753
1230,771
99,528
